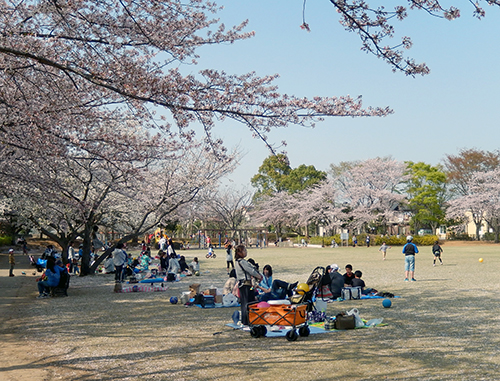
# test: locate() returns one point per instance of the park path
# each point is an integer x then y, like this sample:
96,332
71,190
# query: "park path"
15,293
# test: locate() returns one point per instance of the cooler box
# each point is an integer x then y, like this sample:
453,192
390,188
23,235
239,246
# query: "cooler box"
209,301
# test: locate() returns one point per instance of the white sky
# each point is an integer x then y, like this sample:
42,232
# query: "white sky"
454,107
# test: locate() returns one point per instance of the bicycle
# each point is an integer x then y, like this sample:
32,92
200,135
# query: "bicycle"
211,253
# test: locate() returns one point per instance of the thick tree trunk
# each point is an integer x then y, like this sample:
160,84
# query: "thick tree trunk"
87,248
62,241
478,227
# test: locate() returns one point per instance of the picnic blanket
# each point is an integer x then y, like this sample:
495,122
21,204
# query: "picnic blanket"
363,297
142,288
217,305
314,328
376,297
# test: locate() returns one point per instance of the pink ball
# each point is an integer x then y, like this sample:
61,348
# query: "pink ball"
263,305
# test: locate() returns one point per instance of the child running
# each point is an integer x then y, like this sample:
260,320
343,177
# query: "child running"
437,250
383,249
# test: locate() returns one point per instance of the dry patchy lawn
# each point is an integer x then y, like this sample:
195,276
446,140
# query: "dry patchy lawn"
444,326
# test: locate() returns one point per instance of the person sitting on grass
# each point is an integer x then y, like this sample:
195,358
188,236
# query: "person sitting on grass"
163,261
184,266
336,281
348,276
109,266
49,279
358,282
145,261
276,289
173,265
229,285
195,266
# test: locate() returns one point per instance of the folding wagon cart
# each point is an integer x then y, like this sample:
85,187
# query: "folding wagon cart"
292,315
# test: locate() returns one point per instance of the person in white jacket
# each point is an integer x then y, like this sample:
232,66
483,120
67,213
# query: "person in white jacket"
173,265
119,260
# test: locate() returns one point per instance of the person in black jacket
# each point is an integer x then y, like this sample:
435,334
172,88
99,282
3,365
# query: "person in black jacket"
437,250
336,281
409,250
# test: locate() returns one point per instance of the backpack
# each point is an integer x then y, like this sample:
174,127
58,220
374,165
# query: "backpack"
199,299
64,280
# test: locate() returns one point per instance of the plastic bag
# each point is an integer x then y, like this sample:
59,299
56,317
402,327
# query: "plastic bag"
321,305
359,322
374,322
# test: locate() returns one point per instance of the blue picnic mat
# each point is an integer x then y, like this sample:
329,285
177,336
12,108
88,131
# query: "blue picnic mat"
314,328
282,331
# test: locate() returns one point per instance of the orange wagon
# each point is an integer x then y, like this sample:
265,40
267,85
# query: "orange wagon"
294,315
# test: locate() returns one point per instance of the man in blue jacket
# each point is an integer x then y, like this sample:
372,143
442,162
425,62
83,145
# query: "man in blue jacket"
409,250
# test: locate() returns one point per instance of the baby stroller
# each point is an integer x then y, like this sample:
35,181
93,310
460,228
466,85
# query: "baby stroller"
39,263
314,283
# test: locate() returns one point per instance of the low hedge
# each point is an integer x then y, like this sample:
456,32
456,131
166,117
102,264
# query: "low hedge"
426,240
6,240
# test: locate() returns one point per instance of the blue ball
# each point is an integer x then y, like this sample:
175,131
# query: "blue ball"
174,300
387,303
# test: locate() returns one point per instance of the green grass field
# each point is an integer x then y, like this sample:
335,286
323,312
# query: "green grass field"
443,327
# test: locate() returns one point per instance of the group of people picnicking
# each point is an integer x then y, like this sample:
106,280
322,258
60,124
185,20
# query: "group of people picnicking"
250,285
171,264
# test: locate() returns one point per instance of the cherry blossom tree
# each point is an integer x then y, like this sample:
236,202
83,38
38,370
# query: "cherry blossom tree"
482,202
313,205
376,26
370,191
73,69
462,170
226,206
65,62
273,210
316,205
359,194
130,187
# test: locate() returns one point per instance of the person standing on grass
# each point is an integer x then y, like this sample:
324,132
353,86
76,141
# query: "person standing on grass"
409,250
25,246
120,258
244,273
12,262
437,250
383,249
229,257
71,257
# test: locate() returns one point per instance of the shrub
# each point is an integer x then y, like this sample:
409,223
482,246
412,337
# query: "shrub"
426,240
392,240
376,240
489,237
6,240
461,237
